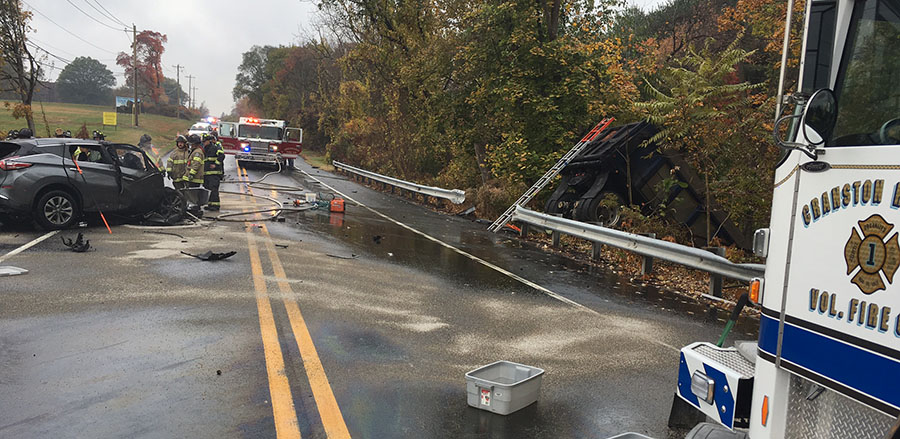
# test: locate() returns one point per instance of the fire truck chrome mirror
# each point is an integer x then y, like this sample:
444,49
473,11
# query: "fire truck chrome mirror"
819,117
703,387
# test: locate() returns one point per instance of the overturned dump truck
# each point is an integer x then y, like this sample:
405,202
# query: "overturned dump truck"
594,184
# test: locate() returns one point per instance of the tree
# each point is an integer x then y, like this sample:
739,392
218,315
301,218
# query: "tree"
719,126
174,91
21,70
252,74
150,47
85,81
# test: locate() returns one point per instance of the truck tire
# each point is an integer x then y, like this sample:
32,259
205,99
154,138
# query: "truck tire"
56,210
565,205
604,209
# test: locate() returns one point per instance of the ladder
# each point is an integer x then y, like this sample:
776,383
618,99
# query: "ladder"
552,172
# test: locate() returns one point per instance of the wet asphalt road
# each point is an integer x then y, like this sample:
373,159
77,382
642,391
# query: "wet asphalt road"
135,339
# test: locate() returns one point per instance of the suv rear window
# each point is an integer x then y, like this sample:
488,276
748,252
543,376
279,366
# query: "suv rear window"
7,149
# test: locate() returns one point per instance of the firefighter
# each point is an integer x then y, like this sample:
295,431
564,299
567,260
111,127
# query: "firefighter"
195,163
86,154
212,172
98,135
58,132
176,167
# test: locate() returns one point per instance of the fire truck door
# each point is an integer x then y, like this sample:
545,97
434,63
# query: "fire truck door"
228,137
293,141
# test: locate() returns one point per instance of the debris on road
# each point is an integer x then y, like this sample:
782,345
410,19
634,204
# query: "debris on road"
7,270
210,256
79,245
467,212
377,239
164,233
281,245
352,256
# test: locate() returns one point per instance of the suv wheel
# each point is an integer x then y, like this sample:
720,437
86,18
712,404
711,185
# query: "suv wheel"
56,210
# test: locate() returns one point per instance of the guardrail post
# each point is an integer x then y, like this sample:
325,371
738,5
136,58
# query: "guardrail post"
596,249
523,231
556,234
647,261
715,282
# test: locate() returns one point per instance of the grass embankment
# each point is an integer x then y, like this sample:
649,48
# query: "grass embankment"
71,116
317,158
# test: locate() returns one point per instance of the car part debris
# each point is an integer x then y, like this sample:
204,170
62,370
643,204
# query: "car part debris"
7,270
467,212
352,256
281,245
79,245
210,256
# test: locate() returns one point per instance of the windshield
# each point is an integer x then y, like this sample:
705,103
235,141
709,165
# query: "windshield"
868,84
260,132
199,127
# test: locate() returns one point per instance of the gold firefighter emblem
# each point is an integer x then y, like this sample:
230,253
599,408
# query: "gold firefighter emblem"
874,256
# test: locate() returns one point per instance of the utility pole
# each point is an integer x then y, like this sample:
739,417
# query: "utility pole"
195,96
190,100
134,62
178,91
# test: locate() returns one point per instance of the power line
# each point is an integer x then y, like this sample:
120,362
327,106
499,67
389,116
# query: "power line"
104,14
67,62
91,16
111,14
32,39
68,31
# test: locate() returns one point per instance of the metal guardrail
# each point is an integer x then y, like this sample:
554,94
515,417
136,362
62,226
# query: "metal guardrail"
655,248
456,196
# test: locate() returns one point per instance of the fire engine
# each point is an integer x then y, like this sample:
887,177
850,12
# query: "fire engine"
266,141
826,363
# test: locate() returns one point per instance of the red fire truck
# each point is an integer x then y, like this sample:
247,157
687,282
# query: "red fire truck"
256,140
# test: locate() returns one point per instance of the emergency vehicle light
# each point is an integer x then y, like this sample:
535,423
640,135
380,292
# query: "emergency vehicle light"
755,295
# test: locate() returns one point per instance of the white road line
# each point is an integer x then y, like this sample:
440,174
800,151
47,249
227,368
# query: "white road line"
482,261
34,242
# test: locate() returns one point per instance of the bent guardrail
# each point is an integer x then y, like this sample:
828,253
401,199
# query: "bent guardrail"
456,196
655,248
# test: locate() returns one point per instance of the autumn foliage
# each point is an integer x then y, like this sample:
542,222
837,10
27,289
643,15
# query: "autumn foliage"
150,77
490,94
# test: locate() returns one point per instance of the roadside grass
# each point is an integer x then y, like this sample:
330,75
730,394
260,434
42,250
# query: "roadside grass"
317,158
71,116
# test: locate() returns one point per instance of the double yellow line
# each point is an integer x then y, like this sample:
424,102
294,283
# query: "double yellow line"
286,425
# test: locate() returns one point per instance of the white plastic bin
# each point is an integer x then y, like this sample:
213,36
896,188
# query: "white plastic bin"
503,387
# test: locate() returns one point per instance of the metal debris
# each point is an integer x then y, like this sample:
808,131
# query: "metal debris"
210,256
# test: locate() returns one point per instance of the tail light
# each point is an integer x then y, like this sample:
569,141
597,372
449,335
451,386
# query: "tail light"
11,164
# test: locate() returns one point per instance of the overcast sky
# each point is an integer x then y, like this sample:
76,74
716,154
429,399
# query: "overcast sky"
206,37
